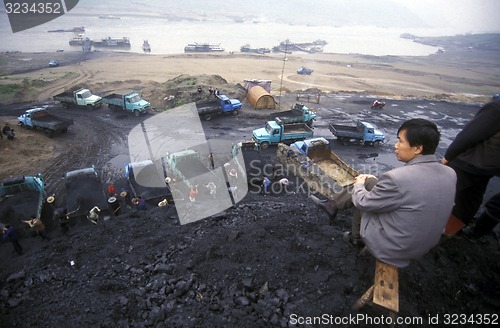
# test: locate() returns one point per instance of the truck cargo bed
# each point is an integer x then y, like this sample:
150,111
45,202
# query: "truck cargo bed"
83,193
19,206
191,168
208,107
148,183
113,98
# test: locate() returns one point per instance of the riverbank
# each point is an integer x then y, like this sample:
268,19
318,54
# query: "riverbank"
464,72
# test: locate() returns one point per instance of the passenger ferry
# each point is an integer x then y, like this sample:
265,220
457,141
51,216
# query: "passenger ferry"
203,47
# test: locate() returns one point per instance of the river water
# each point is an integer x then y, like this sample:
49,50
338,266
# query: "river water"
168,36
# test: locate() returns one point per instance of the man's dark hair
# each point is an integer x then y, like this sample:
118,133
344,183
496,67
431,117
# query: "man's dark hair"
421,132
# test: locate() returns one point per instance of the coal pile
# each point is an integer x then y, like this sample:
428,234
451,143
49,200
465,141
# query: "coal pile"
261,263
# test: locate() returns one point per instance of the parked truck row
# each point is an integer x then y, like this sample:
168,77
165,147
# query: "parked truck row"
130,102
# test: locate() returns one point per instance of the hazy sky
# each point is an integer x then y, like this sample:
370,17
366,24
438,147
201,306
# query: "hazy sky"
459,15
475,15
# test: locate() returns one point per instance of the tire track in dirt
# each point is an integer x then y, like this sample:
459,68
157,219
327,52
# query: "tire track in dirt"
356,83
89,145
62,84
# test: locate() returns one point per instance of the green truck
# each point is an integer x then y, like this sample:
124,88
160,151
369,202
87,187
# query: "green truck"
298,114
274,133
79,98
21,198
130,102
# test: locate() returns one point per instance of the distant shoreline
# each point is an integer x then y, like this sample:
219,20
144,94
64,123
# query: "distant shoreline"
459,74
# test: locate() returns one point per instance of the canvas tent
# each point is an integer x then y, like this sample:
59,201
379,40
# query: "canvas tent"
259,98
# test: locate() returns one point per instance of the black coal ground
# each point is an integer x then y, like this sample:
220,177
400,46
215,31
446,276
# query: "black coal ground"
268,261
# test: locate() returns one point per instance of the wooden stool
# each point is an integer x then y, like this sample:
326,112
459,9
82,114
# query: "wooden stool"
385,290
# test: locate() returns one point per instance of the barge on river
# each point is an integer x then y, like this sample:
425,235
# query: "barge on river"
203,47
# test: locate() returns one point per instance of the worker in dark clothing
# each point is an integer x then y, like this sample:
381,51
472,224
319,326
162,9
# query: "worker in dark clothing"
10,134
475,157
8,131
140,203
61,216
37,226
10,234
6,128
126,197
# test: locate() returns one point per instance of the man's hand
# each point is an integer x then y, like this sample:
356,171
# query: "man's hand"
360,179
444,161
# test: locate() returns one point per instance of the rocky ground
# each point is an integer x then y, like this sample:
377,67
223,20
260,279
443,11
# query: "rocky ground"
267,261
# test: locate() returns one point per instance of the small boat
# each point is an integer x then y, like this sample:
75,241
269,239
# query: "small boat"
203,47
77,40
113,42
76,29
146,47
247,48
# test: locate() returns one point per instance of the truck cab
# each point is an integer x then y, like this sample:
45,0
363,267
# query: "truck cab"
309,115
298,113
370,134
134,102
269,134
229,104
84,97
25,118
303,146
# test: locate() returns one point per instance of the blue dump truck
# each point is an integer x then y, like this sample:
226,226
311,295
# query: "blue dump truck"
40,118
274,133
298,114
80,97
130,102
363,133
331,165
84,190
146,179
224,105
21,198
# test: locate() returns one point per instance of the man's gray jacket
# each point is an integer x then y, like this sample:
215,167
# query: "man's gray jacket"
404,215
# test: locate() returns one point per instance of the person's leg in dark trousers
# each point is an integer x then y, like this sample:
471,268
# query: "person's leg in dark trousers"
469,194
342,201
17,246
487,221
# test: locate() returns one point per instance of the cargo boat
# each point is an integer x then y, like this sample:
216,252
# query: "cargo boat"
79,40
113,42
203,47
247,48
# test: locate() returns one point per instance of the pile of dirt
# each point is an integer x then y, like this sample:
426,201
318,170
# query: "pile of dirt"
25,152
183,89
